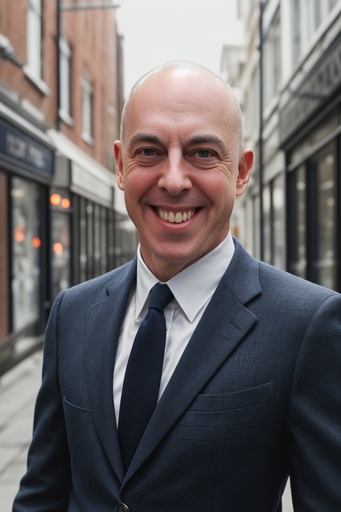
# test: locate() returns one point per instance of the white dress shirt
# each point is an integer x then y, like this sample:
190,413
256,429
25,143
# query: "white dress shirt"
192,288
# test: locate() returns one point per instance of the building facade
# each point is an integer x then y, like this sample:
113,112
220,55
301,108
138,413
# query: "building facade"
62,218
289,75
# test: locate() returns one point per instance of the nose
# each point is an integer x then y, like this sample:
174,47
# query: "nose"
175,178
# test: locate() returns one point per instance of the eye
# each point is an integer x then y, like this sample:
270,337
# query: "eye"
147,152
204,153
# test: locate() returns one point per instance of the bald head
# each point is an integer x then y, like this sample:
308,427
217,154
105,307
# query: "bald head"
178,71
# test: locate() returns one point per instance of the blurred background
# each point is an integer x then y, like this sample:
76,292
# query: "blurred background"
66,67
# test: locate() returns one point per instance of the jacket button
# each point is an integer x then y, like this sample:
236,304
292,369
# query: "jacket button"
122,507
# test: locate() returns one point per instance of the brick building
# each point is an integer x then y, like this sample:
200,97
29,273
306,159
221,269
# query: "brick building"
62,219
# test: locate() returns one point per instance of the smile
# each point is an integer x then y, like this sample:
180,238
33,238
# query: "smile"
176,217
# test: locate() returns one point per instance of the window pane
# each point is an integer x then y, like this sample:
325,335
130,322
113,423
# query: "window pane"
272,59
324,234
25,252
267,223
61,272
297,223
65,77
278,258
87,108
34,38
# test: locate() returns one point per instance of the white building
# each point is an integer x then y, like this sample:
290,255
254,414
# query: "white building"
291,214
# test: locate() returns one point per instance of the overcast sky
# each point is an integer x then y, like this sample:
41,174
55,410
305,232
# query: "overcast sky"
158,31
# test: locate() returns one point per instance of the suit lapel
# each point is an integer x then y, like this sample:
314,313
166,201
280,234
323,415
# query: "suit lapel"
102,330
224,324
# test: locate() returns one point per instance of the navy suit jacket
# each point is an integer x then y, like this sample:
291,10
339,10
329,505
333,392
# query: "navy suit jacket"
255,397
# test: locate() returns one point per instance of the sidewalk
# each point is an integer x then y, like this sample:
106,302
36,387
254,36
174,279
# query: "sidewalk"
18,390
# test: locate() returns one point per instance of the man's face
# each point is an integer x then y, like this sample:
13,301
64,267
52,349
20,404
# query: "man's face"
178,166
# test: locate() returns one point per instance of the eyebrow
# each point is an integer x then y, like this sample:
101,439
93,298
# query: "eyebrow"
210,139
143,137
200,139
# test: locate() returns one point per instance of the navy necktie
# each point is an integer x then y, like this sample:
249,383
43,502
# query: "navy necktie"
143,374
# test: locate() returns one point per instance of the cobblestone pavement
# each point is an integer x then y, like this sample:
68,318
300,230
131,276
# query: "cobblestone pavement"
18,390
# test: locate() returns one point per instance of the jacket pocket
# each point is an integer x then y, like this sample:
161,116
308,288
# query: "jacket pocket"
77,411
227,415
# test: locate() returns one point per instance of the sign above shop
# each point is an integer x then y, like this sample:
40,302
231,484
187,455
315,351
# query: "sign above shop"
317,87
20,149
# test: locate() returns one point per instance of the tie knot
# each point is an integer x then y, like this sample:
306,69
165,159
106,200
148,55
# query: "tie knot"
160,296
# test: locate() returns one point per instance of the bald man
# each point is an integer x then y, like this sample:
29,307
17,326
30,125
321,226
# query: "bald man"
249,384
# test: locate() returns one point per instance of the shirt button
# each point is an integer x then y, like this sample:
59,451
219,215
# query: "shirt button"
122,507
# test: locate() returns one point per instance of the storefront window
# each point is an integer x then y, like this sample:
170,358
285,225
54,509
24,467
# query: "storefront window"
82,240
97,240
4,263
267,223
297,223
60,240
256,226
278,193
323,210
26,251
90,239
104,241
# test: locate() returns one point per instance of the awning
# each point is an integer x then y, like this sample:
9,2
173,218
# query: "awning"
88,178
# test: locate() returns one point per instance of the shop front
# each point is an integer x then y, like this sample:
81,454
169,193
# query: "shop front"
26,172
310,128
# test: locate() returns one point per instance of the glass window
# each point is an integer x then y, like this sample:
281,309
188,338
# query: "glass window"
256,226
4,262
97,240
297,208
296,31
272,59
34,37
104,241
60,240
312,9
87,101
323,217
278,192
26,252
267,223
90,239
83,259
65,78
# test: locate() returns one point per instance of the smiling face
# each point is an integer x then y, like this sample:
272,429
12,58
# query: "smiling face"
180,165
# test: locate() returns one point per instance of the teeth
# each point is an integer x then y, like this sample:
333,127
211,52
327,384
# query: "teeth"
177,217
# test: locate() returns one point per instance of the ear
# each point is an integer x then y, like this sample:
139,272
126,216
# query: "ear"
119,164
244,171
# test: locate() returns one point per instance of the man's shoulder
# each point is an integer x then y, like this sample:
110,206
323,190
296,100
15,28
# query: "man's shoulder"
280,281
100,286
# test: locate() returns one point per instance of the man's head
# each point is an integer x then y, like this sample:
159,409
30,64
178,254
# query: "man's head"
181,163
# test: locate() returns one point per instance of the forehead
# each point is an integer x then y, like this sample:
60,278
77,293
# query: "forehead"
182,98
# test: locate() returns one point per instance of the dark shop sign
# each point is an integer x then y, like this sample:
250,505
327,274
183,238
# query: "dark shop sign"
318,86
20,149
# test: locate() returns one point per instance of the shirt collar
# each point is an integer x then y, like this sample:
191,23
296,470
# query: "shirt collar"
198,281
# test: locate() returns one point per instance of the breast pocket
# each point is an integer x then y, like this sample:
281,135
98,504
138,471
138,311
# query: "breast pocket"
227,415
76,412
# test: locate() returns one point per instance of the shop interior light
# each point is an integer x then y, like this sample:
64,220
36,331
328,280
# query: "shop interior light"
36,242
55,199
58,248
65,203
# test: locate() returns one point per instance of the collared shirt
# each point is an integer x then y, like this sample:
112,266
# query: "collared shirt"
192,288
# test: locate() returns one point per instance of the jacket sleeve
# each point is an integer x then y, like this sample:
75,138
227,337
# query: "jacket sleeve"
315,414
46,485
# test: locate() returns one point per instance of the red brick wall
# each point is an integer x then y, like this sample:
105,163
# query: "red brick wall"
93,38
